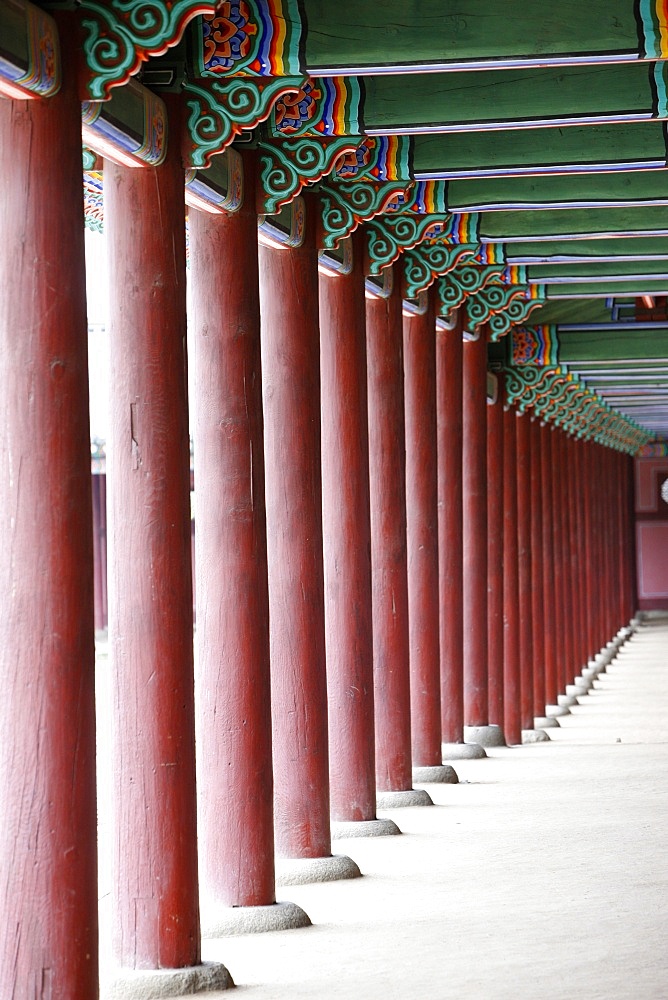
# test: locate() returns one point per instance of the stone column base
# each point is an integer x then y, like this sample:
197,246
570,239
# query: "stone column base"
439,774
578,690
303,871
399,800
556,711
153,984
363,828
485,736
225,921
534,736
544,722
462,751
566,700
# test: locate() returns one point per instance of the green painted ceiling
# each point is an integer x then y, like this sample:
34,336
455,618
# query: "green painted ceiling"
549,122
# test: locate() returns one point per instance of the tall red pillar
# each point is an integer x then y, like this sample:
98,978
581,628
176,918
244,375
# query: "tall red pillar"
449,371
550,649
495,567
511,610
156,906
567,667
290,339
474,536
537,570
574,595
236,815
347,552
387,471
48,853
523,432
419,331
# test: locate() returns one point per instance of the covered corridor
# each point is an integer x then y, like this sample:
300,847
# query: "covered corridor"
386,469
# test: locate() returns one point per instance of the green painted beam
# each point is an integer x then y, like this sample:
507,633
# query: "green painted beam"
550,251
606,344
546,273
602,190
407,33
500,227
442,102
605,289
513,152
556,313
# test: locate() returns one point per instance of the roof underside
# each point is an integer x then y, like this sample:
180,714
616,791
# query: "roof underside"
550,122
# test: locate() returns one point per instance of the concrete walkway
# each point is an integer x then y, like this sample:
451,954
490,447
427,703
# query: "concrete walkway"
544,873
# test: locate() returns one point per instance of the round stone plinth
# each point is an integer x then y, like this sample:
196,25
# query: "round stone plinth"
462,751
364,828
556,711
303,871
589,674
485,736
153,984
566,700
534,736
399,800
578,689
229,920
439,774
544,722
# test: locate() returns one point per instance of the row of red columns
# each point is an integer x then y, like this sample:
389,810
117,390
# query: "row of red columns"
568,572
386,474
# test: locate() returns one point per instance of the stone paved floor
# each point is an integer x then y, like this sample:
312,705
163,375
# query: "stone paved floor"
544,873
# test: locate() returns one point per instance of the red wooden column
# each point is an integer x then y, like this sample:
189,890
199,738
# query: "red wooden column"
387,472
575,590
589,575
422,543
511,610
495,568
156,907
347,552
236,828
449,362
524,554
290,339
474,535
561,474
551,646
541,721
48,853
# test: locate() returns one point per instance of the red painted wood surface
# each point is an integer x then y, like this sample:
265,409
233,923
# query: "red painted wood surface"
48,931
566,627
512,722
449,358
537,596
291,398
575,589
580,543
588,567
232,671
422,534
347,542
524,555
387,472
495,531
156,907
549,597
558,570
474,531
